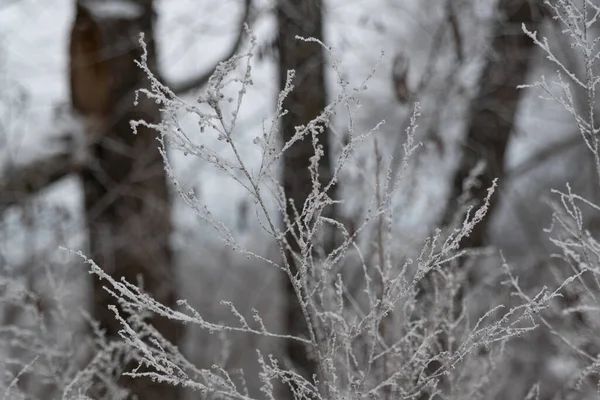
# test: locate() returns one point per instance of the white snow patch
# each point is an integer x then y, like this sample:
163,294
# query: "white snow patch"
116,9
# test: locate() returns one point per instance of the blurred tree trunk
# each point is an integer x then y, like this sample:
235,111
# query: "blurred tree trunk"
493,111
126,197
492,114
301,18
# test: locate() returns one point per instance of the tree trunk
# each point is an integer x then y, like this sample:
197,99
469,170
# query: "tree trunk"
301,18
126,198
492,120
492,112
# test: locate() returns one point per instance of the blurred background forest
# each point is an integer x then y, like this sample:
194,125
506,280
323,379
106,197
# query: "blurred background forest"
73,174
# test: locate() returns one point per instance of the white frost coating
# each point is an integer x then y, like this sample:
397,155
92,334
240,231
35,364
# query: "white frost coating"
116,8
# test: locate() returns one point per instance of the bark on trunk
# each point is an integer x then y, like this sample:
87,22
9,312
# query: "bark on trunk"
492,120
125,189
301,18
493,110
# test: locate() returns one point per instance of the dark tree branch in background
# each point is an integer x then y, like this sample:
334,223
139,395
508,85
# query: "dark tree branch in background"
21,182
455,29
201,80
